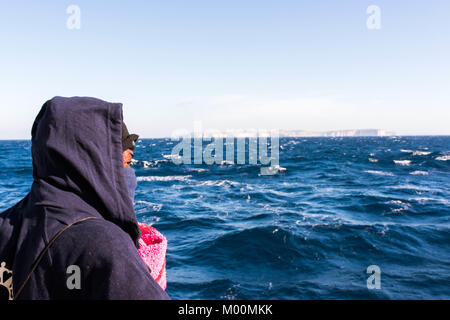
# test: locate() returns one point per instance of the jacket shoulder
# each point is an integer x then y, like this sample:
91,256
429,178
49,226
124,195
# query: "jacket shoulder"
98,229
96,240
109,264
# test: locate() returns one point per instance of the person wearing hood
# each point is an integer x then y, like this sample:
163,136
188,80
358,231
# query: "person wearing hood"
75,234
128,146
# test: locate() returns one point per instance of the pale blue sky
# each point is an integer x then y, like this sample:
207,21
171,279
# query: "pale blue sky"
311,65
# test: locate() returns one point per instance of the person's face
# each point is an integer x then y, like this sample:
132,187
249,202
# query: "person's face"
127,157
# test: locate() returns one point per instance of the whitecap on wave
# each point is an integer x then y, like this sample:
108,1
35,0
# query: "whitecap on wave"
197,170
164,178
171,156
403,162
399,205
381,173
419,173
443,158
278,168
218,183
425,200
147,164
421,153
272,170
416,153
155,206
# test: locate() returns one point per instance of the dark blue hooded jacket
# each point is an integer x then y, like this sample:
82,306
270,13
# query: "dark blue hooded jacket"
78,173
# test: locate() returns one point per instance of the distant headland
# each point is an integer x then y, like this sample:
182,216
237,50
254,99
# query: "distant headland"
245,133
337,133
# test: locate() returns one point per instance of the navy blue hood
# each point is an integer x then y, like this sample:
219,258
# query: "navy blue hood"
77,161
77,172
78,164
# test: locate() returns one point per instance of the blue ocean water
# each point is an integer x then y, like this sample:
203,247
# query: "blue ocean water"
308,232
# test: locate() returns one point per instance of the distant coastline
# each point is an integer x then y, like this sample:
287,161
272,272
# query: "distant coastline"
337,133
295,134
246,133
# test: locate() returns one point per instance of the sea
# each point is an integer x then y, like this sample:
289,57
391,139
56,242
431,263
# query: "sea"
342,218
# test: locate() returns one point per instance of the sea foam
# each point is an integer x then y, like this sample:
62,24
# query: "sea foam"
164,178
419,173
403,162
443,158
381,173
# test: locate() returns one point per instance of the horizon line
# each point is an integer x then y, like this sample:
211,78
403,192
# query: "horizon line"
363,136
